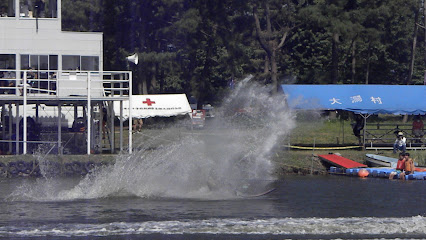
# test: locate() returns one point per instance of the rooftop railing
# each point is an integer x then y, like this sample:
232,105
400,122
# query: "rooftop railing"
65,83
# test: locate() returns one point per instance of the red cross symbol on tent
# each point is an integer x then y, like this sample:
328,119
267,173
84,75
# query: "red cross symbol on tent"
148,102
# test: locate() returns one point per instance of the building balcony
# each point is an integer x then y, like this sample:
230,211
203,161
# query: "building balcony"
50,84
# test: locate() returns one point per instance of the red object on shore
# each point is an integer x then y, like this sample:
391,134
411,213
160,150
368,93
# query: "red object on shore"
340,161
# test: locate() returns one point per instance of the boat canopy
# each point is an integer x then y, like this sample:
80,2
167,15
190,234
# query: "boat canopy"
361,99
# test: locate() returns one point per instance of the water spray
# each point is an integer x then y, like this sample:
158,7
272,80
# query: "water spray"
231,158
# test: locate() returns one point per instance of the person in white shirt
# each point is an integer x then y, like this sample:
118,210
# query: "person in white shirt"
9,81
400,143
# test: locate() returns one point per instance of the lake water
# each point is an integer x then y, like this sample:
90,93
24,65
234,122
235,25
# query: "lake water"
303,207
200,185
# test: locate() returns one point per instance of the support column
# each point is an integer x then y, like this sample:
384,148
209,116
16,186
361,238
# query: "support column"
101,126
75,112
121,125
10,127
89,115
37,120
130,113
365,128
17,129
24,117
121,112
112,127
85,120
3,129
18,67
60,152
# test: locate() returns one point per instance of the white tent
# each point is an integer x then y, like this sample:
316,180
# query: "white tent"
156,105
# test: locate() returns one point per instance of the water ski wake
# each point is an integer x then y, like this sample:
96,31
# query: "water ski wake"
243,195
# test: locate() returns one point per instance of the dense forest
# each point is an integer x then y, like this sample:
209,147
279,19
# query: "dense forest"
200,47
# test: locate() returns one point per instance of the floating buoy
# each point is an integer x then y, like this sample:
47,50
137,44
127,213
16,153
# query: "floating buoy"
363,173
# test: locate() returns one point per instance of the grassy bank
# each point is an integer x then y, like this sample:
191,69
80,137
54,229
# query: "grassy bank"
319,131
309,131
301,162
329,132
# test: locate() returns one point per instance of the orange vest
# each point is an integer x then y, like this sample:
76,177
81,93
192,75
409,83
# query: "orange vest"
409,165
400,165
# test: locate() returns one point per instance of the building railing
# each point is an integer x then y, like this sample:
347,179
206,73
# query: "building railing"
65,83
25,87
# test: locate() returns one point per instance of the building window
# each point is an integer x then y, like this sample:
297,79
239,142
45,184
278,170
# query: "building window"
83,63
38,8
7,8
71,62
53,62
34,60
89,63
39,63
41,67
7,61
25,61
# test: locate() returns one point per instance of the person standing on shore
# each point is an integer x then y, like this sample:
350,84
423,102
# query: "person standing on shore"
418,129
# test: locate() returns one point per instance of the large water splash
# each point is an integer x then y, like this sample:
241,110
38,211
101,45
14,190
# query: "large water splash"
230,158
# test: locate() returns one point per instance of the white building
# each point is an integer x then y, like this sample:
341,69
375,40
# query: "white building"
27,41
59,68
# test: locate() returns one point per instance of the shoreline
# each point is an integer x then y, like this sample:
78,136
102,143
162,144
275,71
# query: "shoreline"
63,165
293,162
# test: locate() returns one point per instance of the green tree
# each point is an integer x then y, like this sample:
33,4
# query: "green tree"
197,47
278,21
82,16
